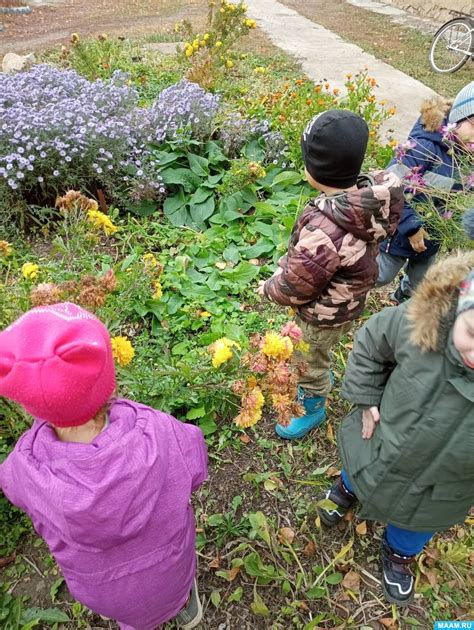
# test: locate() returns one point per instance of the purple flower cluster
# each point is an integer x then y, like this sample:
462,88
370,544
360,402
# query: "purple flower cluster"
182,110
236,131
59,130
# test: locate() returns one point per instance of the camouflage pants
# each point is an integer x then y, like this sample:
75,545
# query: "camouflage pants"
316,381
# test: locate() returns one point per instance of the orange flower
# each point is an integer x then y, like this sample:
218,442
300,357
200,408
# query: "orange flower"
371,99
336,91
309,101
351,88
299,81
321,101
317,88
327,86
282,117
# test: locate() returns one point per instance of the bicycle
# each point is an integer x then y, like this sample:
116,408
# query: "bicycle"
453,43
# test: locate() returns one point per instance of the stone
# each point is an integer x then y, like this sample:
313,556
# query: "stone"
16,63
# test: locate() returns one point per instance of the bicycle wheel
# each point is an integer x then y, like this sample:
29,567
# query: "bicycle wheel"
452,45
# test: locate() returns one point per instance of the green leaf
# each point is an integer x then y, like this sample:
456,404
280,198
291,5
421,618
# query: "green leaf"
316,592
259,607
236,596
254,151
175,209
327,504
262,246
207,425
195,412
199,165
166,157
53,591
214,153
201,194
242,274
214,520
144,209
260,525
334,578
215,598
236,502
49,615
254,567
287,178
286,587
202,211
182,176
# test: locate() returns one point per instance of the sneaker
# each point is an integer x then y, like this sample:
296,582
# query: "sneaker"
398,296
315,408
191,614
344,501
398,583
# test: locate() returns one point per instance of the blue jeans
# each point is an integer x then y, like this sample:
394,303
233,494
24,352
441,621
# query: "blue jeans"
415,269
403,541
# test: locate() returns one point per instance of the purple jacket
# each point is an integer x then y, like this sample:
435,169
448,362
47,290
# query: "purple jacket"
115,513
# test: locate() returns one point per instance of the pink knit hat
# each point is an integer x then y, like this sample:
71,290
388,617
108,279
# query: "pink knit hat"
56,361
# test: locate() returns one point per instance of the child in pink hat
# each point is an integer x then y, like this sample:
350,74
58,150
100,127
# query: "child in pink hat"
106,481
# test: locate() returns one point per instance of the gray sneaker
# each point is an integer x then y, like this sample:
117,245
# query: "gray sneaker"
191,614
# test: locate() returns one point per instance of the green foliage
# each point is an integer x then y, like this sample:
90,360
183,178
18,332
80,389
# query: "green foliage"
14,615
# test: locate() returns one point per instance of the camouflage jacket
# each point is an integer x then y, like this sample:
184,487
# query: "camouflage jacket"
331,261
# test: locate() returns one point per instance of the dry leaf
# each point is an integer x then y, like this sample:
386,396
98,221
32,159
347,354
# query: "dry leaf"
388,622
351,581
432,576
286,534
245,438
330,432
233,573
361,528
332,471
254,261
216,563
221,265
310,549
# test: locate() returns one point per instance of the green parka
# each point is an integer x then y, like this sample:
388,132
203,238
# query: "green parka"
417,470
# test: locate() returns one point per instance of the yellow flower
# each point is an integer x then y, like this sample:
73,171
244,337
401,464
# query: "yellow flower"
302,346
204,314
30,271
206,37
122,350
189,51
158,290
152,266
259,70
218,44
5,248
250,23
393,144
229,63
101,221
221,351
392,111
274,345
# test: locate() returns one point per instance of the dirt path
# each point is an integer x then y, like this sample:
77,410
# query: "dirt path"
47,26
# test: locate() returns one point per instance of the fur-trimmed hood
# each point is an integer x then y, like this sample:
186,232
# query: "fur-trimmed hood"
433,112
431,311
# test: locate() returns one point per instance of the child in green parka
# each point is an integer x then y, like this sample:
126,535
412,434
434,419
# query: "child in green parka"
407,448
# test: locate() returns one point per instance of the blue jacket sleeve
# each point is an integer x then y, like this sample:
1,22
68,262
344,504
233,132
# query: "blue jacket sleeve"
419,157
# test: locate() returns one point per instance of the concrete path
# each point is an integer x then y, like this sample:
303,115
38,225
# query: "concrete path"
324,55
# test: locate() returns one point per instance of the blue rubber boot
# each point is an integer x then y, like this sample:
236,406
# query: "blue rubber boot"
315,407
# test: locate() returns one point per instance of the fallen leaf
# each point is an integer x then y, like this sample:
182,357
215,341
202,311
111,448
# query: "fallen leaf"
317,522
388,622
245,438
7,560
332,471
361,528
432,553
286,534
330,432
460,533
432,576
351,581
215,563
233,573
310,549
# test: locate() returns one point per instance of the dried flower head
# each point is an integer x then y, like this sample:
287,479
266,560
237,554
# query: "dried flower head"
5,248
251,410
74,200
44,294
109,281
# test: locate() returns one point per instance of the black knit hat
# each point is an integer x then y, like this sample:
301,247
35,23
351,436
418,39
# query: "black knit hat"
333,146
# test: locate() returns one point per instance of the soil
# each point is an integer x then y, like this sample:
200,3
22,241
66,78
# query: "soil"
47,26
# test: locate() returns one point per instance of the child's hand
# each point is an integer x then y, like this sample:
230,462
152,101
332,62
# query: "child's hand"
259,289
417,240
370,417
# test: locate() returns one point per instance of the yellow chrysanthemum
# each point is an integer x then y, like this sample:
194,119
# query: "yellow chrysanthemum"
5,248
101,221
229,63
30,271
302,346
221,351
250,23
218,44
157,290
150,262
276,346
122,350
